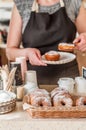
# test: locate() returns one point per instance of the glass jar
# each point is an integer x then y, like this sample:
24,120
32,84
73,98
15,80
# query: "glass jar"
18,74
67,84
80,84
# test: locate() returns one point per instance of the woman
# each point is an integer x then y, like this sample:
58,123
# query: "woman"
41,25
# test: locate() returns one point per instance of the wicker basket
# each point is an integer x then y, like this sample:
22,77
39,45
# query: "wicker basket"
55,112
7,106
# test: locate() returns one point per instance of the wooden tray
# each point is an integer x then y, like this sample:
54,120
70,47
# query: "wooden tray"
59,112
55,112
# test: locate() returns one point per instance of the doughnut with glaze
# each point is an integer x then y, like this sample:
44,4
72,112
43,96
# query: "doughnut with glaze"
66,47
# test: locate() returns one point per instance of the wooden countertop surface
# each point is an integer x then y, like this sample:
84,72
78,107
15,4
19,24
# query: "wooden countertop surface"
20,120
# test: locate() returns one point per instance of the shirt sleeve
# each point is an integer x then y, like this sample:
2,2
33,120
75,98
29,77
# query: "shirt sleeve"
72,7
76,4
23,6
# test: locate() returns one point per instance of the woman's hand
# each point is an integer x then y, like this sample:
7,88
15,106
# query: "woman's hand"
80,42
34,57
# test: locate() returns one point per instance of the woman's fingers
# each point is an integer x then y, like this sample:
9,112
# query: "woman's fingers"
80,42
82,47
35,57
38,54
77,40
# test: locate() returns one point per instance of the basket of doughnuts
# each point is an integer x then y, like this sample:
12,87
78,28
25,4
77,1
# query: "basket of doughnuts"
58,103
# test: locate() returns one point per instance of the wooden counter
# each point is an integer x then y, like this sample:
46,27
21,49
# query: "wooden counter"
20,120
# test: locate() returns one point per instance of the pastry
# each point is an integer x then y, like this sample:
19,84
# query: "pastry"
52,56
40,97
81,101
66,47
61,97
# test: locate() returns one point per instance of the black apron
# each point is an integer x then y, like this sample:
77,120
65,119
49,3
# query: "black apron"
45,31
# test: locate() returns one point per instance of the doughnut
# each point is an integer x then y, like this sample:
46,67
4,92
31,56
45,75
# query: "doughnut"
61,97
81,101
39,92
42,91
62,100
40,97
66,47
41,101
52,56
58,91
35,95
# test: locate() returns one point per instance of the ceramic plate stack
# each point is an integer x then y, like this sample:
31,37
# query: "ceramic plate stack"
7,101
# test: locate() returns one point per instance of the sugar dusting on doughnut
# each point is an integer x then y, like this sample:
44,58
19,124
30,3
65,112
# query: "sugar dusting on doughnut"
41,101
58,91
52,56
40,97
62,100
61,97
81,101
52,53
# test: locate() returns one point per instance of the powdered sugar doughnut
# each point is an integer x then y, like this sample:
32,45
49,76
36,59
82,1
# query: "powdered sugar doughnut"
33,97
62,100
41,101
52,56
40,92
81,101
40,97
58,91
61,97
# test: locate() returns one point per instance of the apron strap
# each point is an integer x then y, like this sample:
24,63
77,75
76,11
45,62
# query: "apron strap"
35,6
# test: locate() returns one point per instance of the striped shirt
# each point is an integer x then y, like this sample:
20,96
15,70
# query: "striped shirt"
24,7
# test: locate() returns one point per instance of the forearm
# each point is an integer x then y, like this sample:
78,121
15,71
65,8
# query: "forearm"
13,49
81,20
12,53
31,54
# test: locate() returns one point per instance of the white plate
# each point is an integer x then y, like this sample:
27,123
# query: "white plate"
65,57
